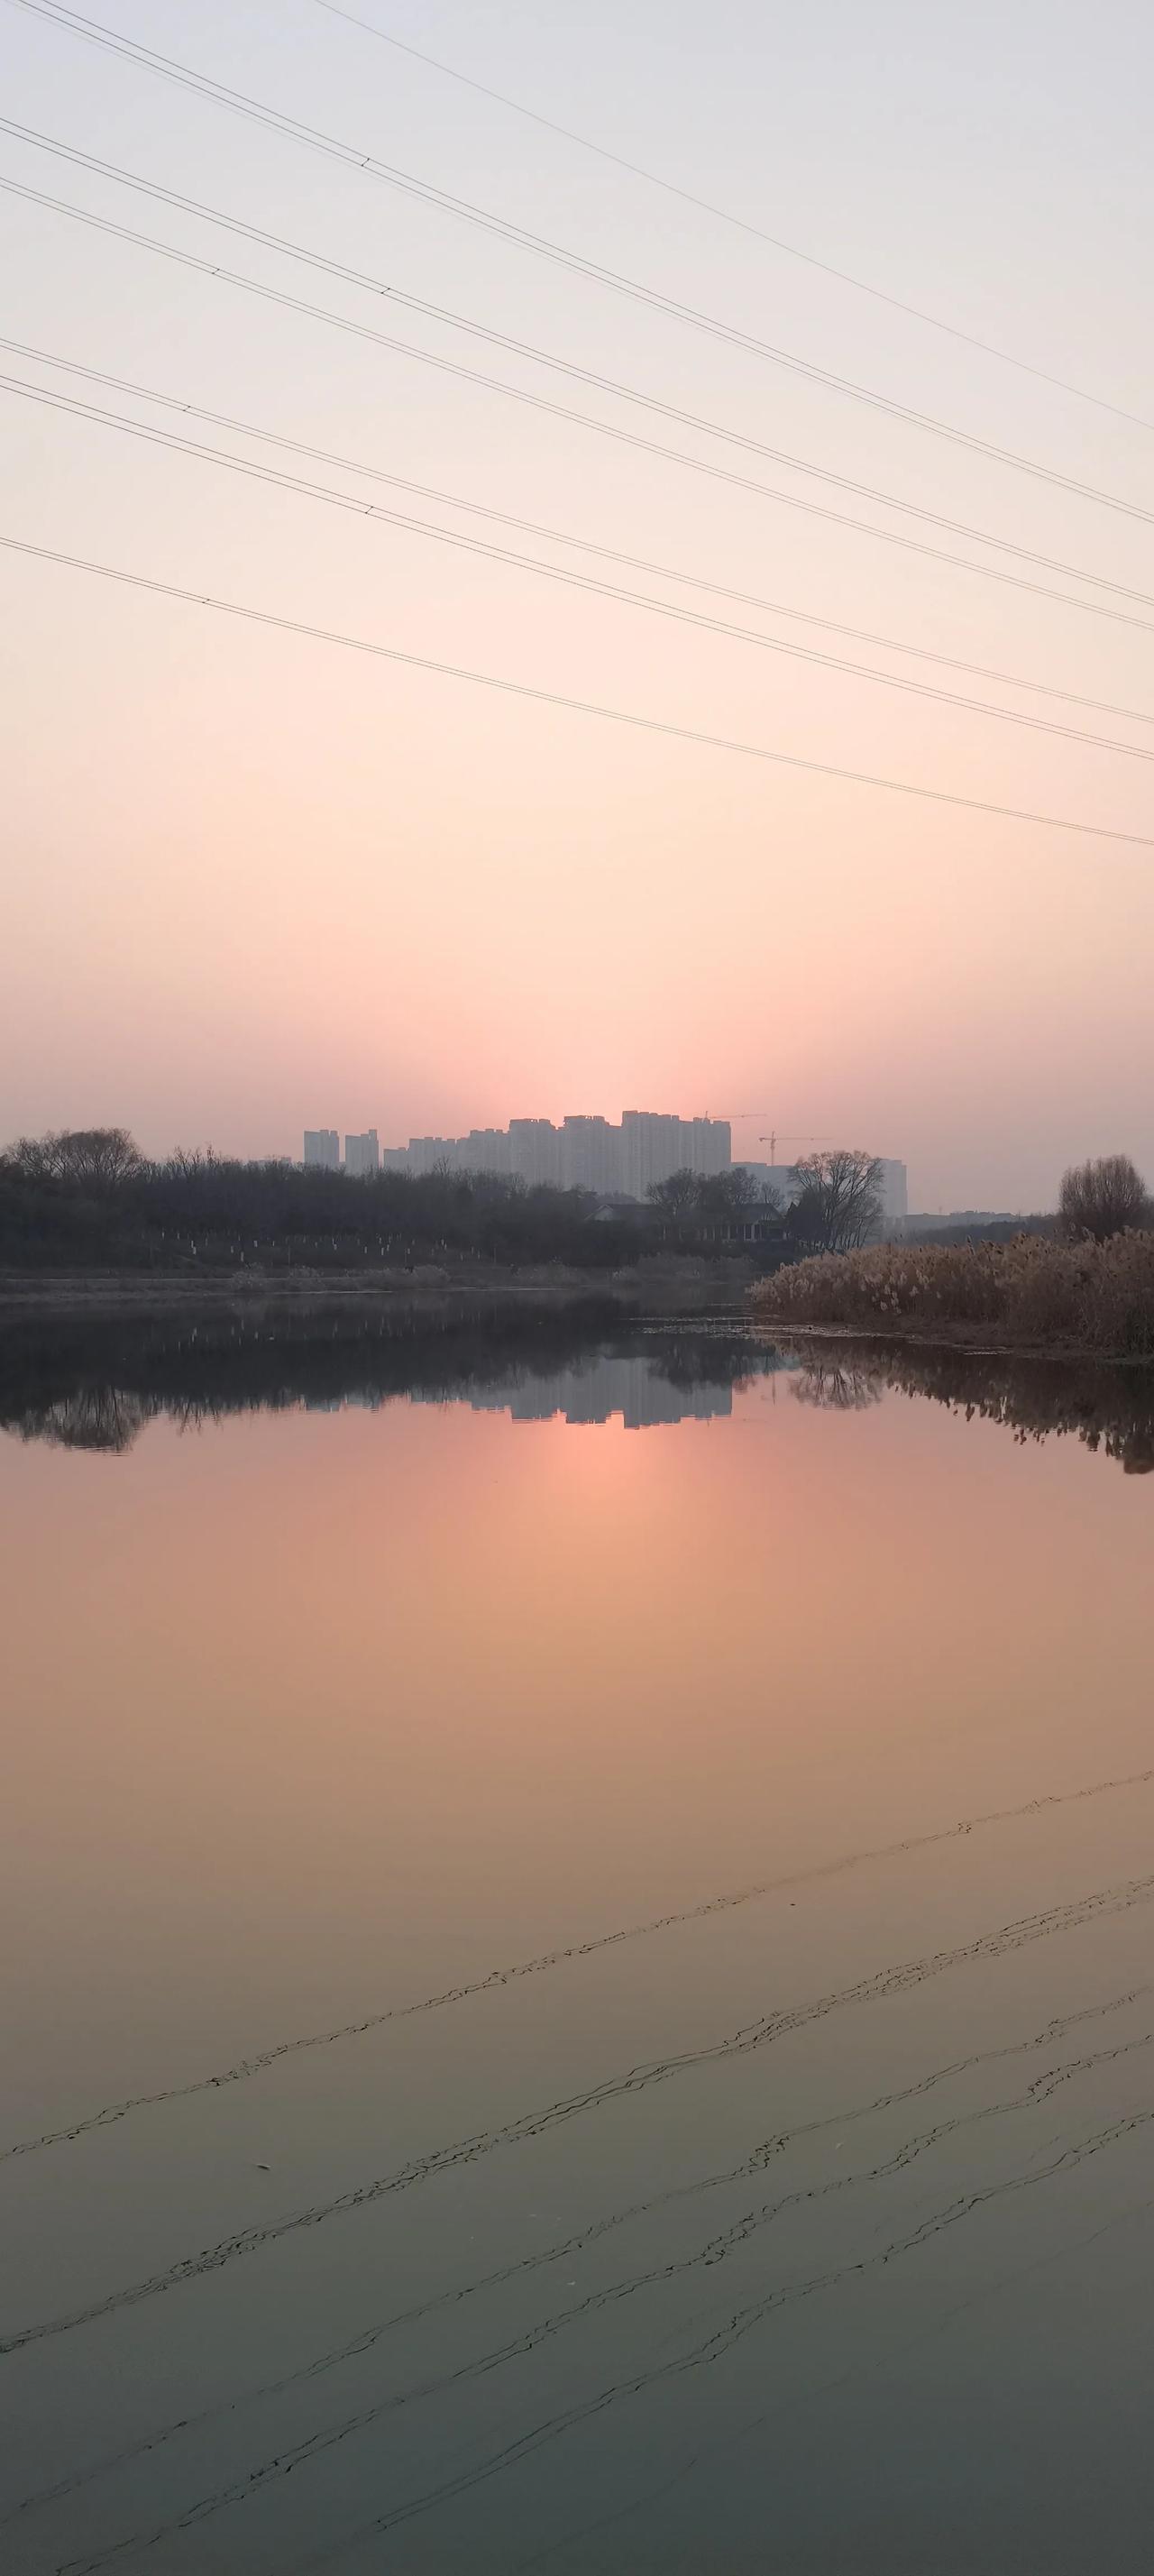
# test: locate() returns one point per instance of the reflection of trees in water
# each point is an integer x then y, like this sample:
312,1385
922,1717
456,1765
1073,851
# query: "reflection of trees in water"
111,1417
1108,1408
95,1382
102,1417
837,1386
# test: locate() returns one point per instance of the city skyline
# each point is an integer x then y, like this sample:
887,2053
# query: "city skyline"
625,1159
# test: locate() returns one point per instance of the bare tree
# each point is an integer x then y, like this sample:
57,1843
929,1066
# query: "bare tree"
96,1157
744,1190
676,1195
27,1156
727,1193
188,1162
839,1198
1102,1198
101,1156
712,1194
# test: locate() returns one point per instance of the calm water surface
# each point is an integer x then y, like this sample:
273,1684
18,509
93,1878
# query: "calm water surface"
579,1906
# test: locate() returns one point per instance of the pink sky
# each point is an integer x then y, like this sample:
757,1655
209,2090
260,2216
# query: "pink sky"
257,883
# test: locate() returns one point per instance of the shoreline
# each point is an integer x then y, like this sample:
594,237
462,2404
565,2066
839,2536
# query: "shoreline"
692,1289
722,1295
1070,1298
960,1340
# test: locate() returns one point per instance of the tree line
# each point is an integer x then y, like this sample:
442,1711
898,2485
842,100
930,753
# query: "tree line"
88,1195
91,1196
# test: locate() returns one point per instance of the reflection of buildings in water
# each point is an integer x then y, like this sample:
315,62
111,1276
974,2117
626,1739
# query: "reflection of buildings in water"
633,1387
97,1385
352,1399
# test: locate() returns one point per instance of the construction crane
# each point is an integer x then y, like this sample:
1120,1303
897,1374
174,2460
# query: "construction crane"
772,1140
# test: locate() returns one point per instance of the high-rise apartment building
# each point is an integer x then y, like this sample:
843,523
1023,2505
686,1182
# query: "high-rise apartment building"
583,1153
322,1149
895,1198
653,1146
590,1155
534,1150
362,1154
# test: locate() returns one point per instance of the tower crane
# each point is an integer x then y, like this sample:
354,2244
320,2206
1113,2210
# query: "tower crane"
772,1140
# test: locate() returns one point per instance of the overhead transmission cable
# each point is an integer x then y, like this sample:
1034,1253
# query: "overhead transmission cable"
740,223
282,481
353,156
215,270
307,258
560,536
577,706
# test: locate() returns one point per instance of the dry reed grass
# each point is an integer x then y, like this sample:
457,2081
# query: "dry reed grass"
1030,1293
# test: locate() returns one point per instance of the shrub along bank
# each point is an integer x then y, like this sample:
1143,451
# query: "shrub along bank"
1031,1294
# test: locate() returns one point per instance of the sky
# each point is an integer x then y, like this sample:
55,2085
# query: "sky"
257,881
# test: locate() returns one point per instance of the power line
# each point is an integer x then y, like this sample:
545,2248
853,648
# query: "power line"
575,706
606,429
562,537
725,215
281,481
306,258
462,209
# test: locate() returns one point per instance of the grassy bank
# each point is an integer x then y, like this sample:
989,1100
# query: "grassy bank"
1035,1294
671,1282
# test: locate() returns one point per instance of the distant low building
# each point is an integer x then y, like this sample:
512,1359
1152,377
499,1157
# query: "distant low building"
954,1220
322,1149
975,1225
362,1154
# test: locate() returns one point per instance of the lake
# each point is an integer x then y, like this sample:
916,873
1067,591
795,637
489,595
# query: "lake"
579,1909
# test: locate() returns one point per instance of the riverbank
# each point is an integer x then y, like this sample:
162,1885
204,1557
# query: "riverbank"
1035,1297
663,1284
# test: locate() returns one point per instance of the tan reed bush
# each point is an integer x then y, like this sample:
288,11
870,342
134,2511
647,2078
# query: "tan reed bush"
1031,1292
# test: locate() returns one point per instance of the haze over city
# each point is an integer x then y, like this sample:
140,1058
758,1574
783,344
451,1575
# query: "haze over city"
252,874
